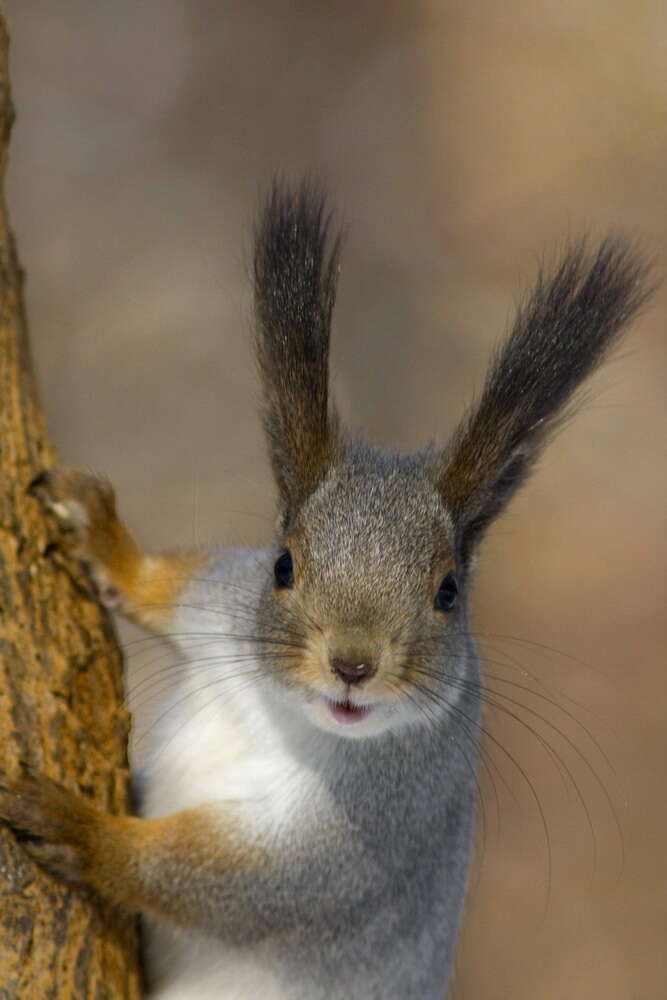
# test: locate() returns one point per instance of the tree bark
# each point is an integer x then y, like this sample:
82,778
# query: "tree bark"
61,690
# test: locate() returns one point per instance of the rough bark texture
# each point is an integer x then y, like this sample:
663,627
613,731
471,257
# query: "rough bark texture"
61,695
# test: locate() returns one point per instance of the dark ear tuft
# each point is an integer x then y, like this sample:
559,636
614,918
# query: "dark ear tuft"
560,335
295,272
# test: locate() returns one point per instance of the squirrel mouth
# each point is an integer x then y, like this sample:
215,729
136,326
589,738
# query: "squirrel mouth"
346,711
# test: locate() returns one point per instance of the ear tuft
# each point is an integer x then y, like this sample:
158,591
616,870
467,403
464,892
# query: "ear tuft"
562,332
295,273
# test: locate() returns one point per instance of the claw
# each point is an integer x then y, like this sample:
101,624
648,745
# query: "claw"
42,481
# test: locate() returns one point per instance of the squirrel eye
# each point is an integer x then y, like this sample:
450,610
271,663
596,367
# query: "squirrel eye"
283,570
445,599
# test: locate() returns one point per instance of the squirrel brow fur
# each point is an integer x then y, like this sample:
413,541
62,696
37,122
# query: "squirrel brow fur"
296,264
561,333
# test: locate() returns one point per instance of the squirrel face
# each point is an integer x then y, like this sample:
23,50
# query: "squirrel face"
363,622
360,579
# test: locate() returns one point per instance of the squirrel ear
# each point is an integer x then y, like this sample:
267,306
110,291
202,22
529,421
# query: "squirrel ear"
295,272
560,335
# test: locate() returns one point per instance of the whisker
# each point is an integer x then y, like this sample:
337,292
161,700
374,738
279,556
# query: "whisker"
433,721
249,682
203,664
191,694
536,799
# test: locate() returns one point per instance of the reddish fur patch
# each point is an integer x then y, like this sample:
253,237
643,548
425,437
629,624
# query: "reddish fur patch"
148,586
152,585
128,860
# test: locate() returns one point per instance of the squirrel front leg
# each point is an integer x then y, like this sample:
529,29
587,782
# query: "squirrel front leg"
192,867
144,587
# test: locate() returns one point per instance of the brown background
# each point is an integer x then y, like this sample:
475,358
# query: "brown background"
461,142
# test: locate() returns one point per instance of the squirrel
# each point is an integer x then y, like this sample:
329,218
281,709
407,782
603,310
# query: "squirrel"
309,835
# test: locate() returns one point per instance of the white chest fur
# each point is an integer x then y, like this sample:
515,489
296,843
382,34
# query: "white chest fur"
217,739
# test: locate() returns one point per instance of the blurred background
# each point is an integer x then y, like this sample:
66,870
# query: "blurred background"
462,143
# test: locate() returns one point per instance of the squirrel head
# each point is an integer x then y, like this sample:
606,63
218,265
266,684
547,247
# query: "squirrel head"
366,609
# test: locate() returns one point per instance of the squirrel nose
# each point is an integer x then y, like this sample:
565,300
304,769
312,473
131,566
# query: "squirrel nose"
352,673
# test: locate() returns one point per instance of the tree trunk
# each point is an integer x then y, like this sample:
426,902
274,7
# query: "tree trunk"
61,691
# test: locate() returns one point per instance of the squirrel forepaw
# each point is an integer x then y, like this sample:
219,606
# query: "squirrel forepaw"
145,587
85,508
84,504
52,823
